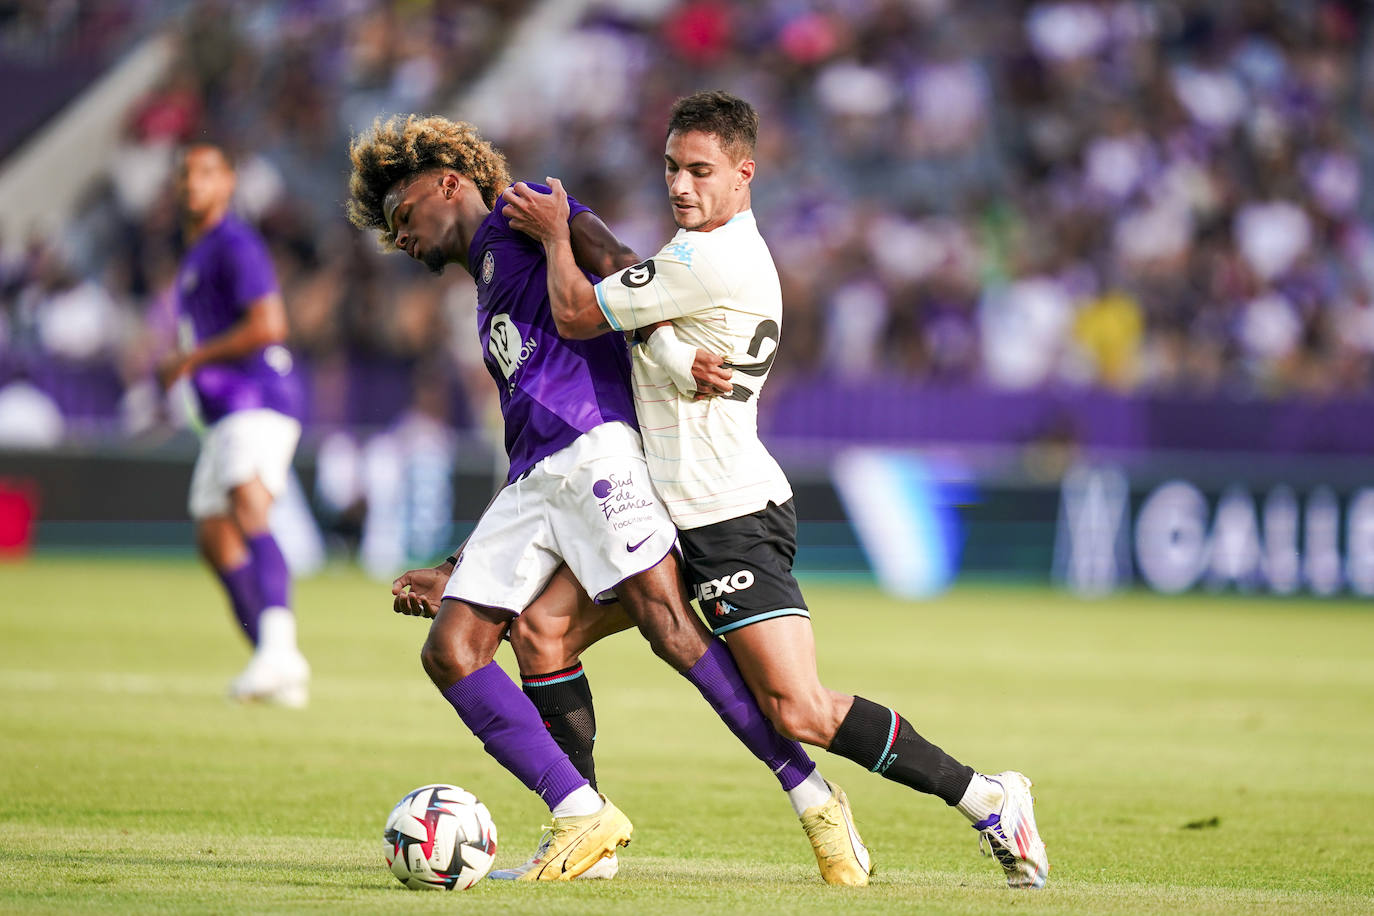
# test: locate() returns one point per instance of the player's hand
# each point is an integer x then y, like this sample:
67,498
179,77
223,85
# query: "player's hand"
543,217
712,375
419,592
173,368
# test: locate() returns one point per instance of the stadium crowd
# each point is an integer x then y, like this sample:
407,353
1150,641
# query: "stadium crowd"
1132,195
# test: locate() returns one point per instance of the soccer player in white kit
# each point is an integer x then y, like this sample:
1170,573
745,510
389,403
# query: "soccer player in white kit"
716,283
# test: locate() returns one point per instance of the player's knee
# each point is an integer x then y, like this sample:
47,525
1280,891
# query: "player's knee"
673,633
673,651
537,650
437,663
447,662
797,718
672,639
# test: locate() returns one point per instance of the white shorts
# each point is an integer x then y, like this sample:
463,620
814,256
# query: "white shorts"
590,505
237,448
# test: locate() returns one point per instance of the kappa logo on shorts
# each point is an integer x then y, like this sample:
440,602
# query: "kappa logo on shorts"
724,608
725,585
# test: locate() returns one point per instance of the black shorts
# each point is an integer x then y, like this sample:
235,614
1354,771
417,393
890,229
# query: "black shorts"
740,570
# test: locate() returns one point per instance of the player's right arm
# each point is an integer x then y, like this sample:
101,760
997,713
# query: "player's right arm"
544,217
419,592
262,325
595,247
696,372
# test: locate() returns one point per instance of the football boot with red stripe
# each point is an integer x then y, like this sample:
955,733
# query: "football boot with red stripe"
1009,834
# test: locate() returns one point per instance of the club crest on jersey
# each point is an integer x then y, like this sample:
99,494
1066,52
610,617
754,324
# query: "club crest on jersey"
682,250
488,267
638,275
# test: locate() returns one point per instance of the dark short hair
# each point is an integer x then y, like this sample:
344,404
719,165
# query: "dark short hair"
225,153
734,121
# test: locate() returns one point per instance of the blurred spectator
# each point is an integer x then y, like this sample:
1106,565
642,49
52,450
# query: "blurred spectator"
28,417
1137,195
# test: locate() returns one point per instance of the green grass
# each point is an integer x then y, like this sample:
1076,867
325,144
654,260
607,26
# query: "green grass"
128,784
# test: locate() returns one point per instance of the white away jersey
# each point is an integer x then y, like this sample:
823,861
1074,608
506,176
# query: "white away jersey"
720,289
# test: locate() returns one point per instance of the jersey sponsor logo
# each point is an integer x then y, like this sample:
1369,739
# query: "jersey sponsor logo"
488,267
617,494
638,275
507,347
725,585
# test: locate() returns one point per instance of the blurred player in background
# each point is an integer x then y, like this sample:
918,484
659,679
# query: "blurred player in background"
717,284
234,331
577,493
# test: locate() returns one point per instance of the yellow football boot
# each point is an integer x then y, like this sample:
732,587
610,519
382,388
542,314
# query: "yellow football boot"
578,843
840,852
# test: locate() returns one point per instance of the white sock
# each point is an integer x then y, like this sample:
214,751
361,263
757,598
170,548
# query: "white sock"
277,631
810,792
982,797
580,801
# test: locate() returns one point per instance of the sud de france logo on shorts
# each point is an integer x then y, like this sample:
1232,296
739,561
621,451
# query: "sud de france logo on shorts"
623,504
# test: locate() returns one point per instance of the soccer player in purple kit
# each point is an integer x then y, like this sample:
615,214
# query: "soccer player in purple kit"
234,329
716,285
577,496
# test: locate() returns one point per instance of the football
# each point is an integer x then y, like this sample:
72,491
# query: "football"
440,837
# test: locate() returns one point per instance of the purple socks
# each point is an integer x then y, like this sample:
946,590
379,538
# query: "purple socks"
263,581
242,586
274,579
510,729
717,677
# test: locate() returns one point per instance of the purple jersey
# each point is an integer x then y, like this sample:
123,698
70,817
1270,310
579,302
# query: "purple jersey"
224,273
552,390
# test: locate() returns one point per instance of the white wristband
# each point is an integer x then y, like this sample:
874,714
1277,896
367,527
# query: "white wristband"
675,357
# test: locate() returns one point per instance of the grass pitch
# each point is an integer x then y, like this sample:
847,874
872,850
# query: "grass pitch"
1197,754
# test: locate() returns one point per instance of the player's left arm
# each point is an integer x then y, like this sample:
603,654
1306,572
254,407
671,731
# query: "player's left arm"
697,373
262,325
544,217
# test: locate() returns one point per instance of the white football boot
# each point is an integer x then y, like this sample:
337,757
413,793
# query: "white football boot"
604,868
1011,836
282,678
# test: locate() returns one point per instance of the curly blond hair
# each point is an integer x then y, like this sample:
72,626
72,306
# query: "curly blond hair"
395,149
